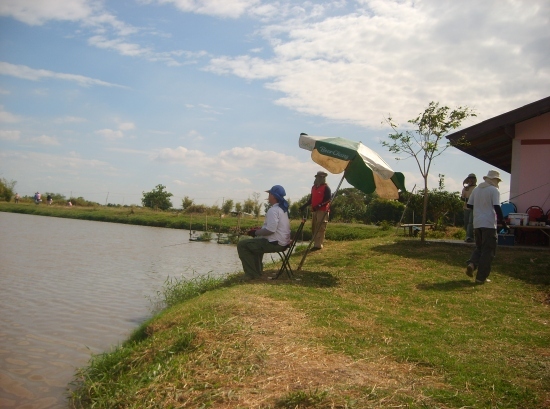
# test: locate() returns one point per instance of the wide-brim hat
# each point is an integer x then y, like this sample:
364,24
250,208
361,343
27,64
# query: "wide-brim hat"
492,174
321,174
470,176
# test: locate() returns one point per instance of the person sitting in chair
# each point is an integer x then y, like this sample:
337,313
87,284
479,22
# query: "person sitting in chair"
272,237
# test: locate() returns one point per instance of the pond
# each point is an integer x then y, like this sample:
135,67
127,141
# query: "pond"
72,288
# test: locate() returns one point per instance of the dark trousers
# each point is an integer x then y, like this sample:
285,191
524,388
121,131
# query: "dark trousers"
484,252
469,223
251,253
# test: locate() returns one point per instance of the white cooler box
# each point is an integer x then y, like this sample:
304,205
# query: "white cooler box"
518,219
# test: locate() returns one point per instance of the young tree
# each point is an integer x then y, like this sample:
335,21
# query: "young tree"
425,142
7,189
249,206
157,198
227,206
257,205
186,202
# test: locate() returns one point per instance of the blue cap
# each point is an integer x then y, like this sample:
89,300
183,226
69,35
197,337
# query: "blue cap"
279,192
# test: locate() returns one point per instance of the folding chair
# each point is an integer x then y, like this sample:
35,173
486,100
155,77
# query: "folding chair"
508,208
285,255
534,212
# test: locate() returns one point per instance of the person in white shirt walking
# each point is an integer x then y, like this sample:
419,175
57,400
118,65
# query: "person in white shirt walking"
485,204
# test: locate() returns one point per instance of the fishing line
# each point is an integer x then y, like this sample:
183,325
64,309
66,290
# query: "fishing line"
179,244
521,194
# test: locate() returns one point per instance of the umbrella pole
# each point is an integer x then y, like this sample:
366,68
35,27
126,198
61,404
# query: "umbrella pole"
319,225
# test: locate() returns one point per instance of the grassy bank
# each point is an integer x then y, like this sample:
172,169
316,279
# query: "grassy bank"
179,220
374,323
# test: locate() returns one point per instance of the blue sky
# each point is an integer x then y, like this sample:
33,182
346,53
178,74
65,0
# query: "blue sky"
107,99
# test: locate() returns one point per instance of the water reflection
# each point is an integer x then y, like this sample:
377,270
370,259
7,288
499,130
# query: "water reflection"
70,288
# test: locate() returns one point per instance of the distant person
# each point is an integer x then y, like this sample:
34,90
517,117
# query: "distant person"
485,203
469,184
17,197
69,203
37,198
320,206
49,199
272,237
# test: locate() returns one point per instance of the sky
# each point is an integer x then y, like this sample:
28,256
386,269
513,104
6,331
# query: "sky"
108,99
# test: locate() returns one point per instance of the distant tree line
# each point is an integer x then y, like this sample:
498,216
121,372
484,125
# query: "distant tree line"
349,206
7,193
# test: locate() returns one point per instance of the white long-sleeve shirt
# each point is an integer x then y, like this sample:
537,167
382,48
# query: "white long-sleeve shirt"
276,226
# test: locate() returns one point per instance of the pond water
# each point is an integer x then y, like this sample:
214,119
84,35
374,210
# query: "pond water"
72,288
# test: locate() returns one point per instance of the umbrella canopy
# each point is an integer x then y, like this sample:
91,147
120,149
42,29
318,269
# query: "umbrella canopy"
363,168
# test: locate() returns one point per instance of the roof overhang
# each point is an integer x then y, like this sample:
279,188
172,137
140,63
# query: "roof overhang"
491,140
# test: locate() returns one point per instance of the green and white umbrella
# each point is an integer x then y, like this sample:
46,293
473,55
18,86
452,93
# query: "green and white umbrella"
363,168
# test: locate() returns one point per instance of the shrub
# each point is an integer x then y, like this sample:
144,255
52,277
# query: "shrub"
385,210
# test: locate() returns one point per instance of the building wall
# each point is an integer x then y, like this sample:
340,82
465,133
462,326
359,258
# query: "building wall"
530,178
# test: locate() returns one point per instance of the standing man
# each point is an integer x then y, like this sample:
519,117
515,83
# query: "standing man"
272,237
485,204
320,206
469,185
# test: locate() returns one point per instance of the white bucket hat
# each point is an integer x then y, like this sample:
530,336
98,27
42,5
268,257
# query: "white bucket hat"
493,174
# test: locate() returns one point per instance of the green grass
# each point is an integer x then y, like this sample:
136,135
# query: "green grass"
372,323
179,220
374,320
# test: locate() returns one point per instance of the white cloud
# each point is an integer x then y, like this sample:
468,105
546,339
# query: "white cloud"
90,14
61,167
69,120
231,163
110,133
397,56
182,154
128,49
220,8
126,126
241,181
46,140
7,117
24,72
34,12
119,45
7,135
194,135
116,134
87,12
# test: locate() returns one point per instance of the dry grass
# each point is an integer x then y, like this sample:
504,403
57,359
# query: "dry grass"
267,350
378,323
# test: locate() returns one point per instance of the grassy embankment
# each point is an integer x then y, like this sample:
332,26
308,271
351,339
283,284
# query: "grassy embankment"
179,220
373,323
